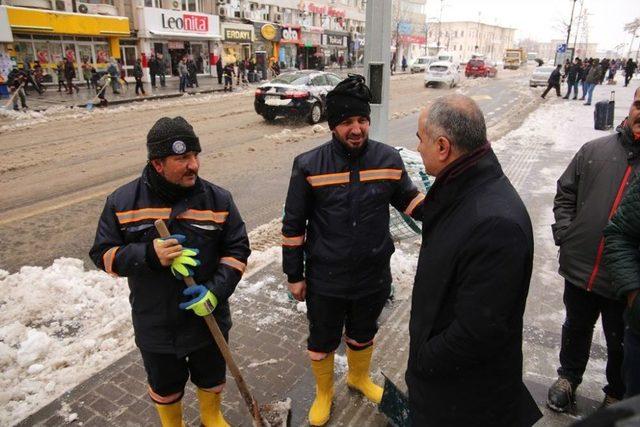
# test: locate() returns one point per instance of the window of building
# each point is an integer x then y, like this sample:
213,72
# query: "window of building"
461,33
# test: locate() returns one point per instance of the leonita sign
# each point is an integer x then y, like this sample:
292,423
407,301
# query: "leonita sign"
161,22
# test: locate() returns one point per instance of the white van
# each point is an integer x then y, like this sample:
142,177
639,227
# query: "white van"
421,63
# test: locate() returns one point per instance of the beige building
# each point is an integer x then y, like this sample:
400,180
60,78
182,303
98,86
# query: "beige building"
464,38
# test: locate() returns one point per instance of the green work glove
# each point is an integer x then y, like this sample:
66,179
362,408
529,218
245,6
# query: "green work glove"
179,265
204,302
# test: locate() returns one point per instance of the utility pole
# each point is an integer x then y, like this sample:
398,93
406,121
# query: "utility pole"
377,53
575,39
440,23
570,22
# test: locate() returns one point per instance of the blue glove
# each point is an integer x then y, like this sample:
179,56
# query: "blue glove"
203,304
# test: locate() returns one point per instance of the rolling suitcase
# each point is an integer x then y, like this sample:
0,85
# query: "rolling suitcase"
603,114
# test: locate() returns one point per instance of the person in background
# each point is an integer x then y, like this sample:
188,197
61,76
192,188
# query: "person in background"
153,69
70,74
137,74
553,82
60,76
573,73
86,71
183,72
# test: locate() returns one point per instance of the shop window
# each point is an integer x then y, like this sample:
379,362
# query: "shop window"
24,52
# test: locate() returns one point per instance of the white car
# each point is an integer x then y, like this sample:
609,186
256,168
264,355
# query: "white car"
421,63
442,72
540,76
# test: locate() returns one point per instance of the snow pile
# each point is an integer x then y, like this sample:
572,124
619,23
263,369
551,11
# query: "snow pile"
287,135
58,326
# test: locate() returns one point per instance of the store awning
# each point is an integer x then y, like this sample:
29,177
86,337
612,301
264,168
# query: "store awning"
189,36
50,22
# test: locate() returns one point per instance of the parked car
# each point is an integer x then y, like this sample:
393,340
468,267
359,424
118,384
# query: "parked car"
540,76
442,72
480,68
299,94
421,63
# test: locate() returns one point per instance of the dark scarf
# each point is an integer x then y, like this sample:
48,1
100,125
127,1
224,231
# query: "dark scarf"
460,165
168,191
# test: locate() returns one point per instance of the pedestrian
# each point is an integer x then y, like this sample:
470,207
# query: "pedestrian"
114,73
472,280
553,82
183,72
193,72
99,83
137,75
173,339
582,78
70,74
588,193
86,72
228,73
60,75
162,69
604,68
592,79
219,70
242,72
17,80
613,68
404,63
336,217
341,60
621,258
629,69
153,69
572,78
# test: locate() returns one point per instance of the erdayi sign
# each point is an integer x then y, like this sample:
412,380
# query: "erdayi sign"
165,22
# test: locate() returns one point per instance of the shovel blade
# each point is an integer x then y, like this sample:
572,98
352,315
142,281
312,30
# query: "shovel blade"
89,106
395,405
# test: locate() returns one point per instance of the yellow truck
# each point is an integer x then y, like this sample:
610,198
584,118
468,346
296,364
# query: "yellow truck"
515,58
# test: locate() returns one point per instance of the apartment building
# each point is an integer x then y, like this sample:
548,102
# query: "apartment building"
464,38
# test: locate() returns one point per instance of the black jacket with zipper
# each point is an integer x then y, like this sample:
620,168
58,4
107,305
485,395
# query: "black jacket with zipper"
211,223
336,222
587,196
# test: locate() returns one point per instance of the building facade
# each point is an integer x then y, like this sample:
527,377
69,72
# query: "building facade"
408,30
465,38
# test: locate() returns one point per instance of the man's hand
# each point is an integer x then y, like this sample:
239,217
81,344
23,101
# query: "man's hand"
631,296
298,290
203,303
168,249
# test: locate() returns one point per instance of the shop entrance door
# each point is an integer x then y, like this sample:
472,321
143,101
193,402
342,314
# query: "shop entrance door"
177,51
129,55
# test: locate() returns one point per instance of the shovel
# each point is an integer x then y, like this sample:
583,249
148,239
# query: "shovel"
10,101
276,414
394,404
89,105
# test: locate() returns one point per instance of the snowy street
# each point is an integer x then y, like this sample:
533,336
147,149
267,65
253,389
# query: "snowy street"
66,346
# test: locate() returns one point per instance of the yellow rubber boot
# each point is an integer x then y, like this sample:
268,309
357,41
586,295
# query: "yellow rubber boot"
321,407
210,413
358,375
171,414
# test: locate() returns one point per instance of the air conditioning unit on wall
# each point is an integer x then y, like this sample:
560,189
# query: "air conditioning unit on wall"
277,18
222,11
175,5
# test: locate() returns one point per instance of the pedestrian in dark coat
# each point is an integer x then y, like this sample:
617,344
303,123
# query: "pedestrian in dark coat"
219,70
193,72
153,69
174,341
69,75
137,74
588,193
572,78
553,82
629,69
622,259
472,280
592,79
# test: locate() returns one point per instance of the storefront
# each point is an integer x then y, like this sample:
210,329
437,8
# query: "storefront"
48,37
335,44
310,52
267,39
288,50
236,41
175,34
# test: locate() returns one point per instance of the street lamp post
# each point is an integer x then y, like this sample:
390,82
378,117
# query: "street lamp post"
440,23
570,21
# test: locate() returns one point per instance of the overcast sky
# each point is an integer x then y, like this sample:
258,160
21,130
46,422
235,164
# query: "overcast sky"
543,22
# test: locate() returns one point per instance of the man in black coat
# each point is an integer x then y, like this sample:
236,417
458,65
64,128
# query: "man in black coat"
629,69
553,82
153,69
572,78
472,280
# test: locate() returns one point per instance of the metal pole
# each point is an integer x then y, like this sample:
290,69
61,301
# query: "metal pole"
377,55
570,22
575,39
440,24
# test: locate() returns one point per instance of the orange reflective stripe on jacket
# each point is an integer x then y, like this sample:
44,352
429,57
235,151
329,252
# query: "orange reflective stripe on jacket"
293,241
206,215
233,263
126,217
107,259
380,174
328,179
415,202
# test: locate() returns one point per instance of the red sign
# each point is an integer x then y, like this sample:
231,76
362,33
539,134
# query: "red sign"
195,23
322,10
413,39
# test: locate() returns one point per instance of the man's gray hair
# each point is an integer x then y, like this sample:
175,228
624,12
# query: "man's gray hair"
459,119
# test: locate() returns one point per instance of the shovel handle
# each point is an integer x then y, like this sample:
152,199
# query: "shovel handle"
251,403
95,98
6,105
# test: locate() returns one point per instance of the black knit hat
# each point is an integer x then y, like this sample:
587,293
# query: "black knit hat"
351,97
169,136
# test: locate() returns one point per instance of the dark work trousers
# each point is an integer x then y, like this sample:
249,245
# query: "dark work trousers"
631,366
582,311
153,80
550,86
574,86
161,76
627,79
139,86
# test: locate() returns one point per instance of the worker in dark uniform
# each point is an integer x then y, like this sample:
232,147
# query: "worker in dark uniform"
173,339
336,241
